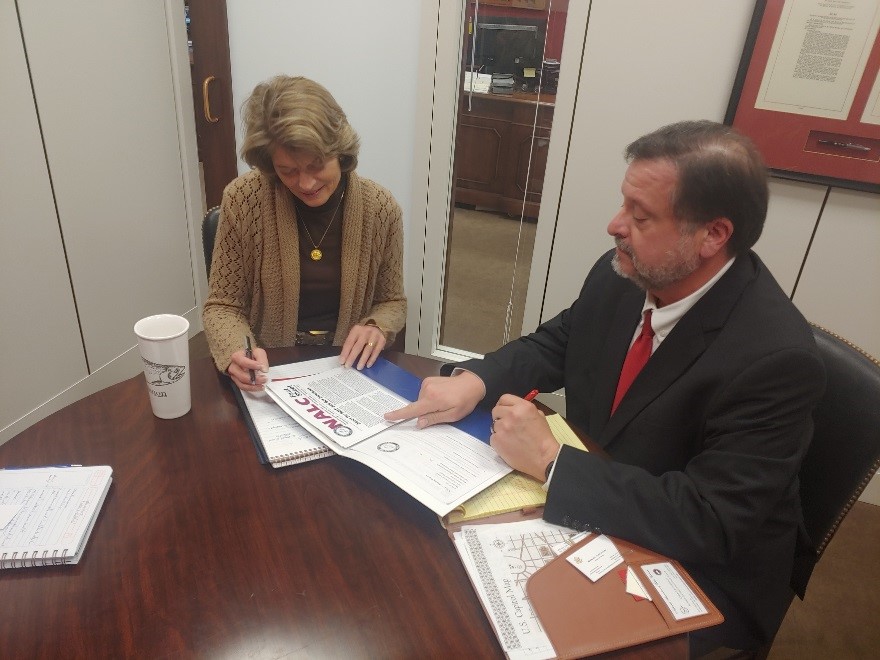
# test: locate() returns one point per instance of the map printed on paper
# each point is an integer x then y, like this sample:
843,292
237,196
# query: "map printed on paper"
500,559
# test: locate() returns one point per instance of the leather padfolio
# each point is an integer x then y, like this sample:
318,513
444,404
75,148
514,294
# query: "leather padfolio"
585,618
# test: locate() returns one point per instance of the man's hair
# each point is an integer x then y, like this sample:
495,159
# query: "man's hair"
296,113
720,174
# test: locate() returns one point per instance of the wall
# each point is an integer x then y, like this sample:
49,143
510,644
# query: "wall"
363,52
819,249
98,217
689,74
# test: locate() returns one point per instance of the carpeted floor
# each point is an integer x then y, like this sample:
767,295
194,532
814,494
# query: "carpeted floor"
839,617
479,276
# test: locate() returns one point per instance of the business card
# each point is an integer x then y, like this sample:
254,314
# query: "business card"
681,600
596,558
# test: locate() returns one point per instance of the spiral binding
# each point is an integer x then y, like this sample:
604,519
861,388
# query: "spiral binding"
301,456
35,559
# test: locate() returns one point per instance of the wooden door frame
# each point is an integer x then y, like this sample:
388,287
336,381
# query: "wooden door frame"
212,96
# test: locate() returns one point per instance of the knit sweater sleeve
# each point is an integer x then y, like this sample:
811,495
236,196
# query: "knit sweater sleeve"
388,309
233,267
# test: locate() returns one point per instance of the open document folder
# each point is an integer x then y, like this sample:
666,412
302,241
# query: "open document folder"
551,592
441,466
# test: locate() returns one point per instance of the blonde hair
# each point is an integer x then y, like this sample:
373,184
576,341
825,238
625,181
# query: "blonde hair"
296,113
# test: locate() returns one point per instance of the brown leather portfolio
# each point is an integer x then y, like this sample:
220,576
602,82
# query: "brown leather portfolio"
585,618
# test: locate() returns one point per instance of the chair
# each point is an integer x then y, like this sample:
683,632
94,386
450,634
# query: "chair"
845,451
209,231
843,456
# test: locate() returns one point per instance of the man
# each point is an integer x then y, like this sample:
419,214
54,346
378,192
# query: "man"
708,439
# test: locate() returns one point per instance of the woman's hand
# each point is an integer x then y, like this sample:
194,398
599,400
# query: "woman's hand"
363,345
239,370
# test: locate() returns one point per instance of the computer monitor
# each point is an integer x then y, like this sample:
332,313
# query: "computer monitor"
507,45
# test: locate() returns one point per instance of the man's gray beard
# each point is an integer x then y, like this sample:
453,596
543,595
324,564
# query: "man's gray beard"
658,278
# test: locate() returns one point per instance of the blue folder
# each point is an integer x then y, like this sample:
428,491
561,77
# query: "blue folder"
407,385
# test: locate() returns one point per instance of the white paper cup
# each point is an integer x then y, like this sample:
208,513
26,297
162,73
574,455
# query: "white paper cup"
164,347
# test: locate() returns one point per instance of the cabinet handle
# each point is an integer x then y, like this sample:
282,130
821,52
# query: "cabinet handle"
206,101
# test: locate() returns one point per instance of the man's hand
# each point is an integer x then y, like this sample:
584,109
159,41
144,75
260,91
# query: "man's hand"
522,436
239,369
443,399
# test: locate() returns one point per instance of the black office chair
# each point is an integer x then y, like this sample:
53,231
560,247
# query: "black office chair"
843,455
845,451
209,231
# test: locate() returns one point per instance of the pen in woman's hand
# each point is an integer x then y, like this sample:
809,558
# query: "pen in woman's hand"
249,354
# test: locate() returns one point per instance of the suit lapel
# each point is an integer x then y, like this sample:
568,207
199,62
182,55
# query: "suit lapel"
682,347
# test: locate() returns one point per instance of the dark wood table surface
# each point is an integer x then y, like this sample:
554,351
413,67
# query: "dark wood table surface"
201,551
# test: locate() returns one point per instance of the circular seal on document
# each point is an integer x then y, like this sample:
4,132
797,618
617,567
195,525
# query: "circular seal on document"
342,430
388,446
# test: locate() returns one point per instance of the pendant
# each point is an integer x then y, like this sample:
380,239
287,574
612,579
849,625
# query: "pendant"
316,254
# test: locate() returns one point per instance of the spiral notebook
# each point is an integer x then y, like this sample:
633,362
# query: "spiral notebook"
278,439
47,513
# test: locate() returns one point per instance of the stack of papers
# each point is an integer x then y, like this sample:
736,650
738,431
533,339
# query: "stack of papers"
502,83
477,82
499,560
441,466
47,513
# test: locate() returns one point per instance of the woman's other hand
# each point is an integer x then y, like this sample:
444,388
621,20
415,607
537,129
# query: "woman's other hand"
363,345
239,370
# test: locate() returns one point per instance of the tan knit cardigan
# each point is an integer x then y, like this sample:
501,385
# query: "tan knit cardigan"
254,281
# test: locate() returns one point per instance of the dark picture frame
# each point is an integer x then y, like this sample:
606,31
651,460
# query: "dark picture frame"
791,56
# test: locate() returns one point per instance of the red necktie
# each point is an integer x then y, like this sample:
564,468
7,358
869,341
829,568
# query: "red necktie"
637,357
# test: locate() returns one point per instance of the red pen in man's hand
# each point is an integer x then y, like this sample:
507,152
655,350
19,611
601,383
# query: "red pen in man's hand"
531,395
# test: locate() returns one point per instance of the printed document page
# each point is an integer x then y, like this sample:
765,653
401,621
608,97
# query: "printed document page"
279,432
440,466
499,560
340,404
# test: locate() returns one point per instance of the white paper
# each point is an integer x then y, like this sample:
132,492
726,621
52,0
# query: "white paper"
499,560
279,432
596,558
341,404
634,585
479,82
818,57
59,508
7,513
441,466
675,592
872,107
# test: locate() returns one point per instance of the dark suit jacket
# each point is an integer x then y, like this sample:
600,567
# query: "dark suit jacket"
706,444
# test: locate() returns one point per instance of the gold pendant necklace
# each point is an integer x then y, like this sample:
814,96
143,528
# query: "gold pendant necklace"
316,253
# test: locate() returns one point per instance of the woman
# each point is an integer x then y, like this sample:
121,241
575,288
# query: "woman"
307,252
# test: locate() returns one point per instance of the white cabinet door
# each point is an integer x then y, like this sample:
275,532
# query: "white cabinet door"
40,345
102,79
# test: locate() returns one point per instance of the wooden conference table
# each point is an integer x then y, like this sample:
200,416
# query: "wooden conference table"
201,551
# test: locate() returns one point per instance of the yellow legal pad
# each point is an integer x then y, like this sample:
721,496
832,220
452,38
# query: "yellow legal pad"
516,491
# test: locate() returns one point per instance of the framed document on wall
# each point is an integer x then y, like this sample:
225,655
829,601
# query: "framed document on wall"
808,90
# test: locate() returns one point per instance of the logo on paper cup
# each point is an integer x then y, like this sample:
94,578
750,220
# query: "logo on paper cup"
163,374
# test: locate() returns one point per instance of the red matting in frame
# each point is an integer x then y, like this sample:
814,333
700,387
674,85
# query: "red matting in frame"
803,147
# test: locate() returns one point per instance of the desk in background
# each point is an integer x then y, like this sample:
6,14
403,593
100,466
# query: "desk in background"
493,145
202,551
